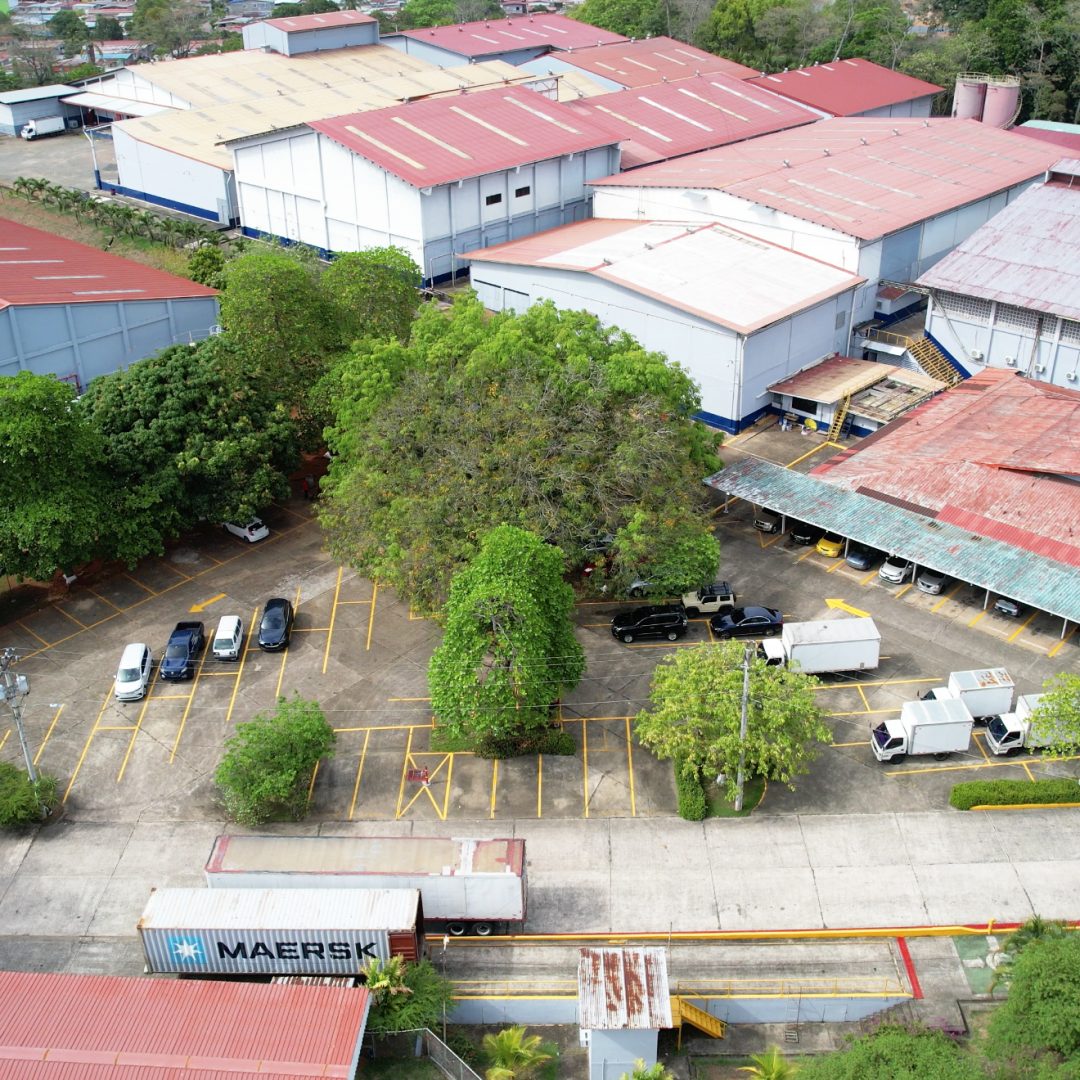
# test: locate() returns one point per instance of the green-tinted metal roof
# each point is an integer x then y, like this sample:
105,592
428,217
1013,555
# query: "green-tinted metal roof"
1032,579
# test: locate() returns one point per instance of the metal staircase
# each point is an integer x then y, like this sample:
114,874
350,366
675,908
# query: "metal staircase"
683,1012
933,361
836,429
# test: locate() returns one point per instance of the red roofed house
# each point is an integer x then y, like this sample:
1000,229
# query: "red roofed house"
854,88
102,1027
437,177
76,312
308,33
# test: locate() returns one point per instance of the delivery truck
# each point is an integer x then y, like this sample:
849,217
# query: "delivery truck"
278,931
829,645
985,692
46,125
1012,732
467,886
940,728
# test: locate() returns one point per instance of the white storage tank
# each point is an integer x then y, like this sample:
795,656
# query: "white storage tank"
1002,100
969,97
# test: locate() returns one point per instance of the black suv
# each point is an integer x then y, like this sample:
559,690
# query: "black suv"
276,626
654,620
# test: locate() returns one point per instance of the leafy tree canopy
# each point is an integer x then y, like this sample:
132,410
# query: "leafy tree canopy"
54,498
83,71
512,1055
509,649
631,18
1057,715
546,421
69,27
895,1053
188,436
419,13
695,713
683,556
376,292
170,25
406,996
107,28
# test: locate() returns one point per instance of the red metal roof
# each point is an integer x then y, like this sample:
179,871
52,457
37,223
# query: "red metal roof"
847,87
670,119
623,989
863,176
997,455
452,138
505,35
648,61
1067,140
319,22
99,1027
39,268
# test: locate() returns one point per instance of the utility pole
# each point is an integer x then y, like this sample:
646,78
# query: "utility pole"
748,652
15,688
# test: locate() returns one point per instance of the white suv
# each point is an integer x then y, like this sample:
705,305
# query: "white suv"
896,569
252,531
133,675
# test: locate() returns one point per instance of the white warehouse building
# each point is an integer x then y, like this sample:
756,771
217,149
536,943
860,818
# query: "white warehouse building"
436,178
1009,296
737,312
881,198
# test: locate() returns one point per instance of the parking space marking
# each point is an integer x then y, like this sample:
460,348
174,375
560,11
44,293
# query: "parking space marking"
865,712
285,652
837,563
86,747
982,615
311,785
539,785
806,554
138,723
333,616
68,615
19,622
803,457
169,566
861,742
585,761
359,773
371,614
630,767
1055,649
1021,628
240,666
768,543
104,600
1024,765
191,698
903,589
145,588
48,734
989,764
862,694
448,761
941,603
494,785
7,734
869,577
978,740
879,682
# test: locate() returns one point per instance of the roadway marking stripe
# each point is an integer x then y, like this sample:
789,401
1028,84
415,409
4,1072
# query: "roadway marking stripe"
138,725
333,616
903,589
7,735
941,603
909,967
1022,627
240,669
982,615
41,748
494,785
404,771
207,649
311,786
1055,649
585,763
359,773
19,622
371,616
630,768
68,615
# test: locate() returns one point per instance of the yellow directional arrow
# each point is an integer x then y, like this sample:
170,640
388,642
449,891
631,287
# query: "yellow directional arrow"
206,603
842,605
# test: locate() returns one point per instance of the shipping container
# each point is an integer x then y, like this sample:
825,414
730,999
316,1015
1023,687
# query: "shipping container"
466,885
278,931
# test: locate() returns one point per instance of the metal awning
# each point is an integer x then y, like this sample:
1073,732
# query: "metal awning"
105,103
990,564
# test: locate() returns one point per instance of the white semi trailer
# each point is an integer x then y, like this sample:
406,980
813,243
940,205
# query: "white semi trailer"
939,728
828,645
985,691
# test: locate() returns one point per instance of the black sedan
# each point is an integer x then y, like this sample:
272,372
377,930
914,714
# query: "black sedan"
862,558
804,534
751,622
276,626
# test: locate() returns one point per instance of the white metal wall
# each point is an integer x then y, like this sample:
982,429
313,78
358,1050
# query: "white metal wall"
127,83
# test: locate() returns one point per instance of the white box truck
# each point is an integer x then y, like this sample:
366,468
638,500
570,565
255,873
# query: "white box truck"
46,125
473,886
830,645
1011,732
985,691
940,728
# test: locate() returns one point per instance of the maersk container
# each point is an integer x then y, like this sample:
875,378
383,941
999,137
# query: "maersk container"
278,931
476,885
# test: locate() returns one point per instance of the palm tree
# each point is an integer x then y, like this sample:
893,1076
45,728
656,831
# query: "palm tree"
770,1065
647,1072
385,979
1035,929
512,1055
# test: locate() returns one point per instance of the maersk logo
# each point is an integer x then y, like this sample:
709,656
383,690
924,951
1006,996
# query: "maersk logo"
186,950
297,950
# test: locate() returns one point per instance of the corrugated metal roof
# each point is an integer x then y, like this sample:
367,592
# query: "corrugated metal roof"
281,909
623,990
1067,136
675,118
437,856
40,268
648,61
298,23
696,268
104,103
34,93
862,176
453,138
834,377
847,87
505,35
99,1027
1026,255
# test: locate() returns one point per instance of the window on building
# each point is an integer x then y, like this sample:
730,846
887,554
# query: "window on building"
804,405
493,200
521,192
841,319
1017,318
1070,331
966,307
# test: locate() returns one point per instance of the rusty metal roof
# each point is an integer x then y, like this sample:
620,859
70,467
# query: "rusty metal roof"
995,564
623,989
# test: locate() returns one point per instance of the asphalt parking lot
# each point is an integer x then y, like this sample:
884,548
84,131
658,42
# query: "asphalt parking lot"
360,652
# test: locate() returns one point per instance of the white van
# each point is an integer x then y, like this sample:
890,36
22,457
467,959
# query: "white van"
228,638
133,675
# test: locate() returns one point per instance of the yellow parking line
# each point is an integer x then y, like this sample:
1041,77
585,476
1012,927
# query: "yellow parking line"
446,793
333,615
191,698
803,457
404,771
959,768
19,622
138,726
345,603
772,539
1055,649
835,566
408,699
1024,766
41,748
978,740
724,505
104,600
862,694
285,652
630,768
982,615
494,785
861,742
145,588
539,785
68,615
7,735
359,773
806,554
311,786
866,712
879,682
1022,627
869,577
949,596
585,761
310,629
904,589
240,668
371,616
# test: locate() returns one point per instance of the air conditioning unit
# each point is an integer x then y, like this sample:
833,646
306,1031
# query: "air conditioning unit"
1010,361
1040,368
1071,376
975,354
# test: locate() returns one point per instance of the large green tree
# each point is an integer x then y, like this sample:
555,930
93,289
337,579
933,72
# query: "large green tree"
509,650
895,1053
56,500
545,420
695,712
188,436
376,293
631,18
172,26
1057,715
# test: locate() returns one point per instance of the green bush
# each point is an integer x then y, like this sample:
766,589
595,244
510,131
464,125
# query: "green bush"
692,803
268,763
21,801
1013,793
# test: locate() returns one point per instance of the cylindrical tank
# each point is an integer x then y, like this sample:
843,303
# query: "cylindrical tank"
969,97
1002,97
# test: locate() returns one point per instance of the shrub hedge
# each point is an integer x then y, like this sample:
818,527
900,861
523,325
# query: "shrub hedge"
692,803
1013,793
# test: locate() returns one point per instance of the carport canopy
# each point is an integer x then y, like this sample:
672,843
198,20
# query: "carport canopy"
994,565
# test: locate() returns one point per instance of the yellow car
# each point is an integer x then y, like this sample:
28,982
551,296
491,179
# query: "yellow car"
830,545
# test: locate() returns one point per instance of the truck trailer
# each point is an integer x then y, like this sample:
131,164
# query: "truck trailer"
940,728
476,886
829,645
1011,732
985,691
45,125
278,931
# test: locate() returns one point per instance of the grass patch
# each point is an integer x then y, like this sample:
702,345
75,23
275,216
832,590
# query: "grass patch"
718,804
400,1068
